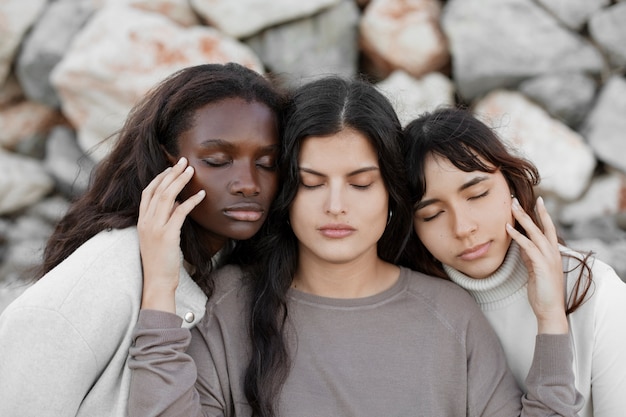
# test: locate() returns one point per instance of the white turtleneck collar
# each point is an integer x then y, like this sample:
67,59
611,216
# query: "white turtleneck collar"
507,283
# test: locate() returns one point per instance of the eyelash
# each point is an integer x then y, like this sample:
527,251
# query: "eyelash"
485,194
358,187
479,196
267,167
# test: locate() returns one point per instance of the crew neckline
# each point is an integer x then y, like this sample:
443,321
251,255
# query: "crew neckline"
371,300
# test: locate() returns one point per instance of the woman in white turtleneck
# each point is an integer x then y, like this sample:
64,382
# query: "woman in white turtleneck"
477,222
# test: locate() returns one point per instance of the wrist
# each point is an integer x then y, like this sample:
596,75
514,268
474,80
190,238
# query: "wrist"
159,297
556,324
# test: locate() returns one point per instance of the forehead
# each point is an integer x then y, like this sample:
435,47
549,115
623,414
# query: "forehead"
347,148
234,120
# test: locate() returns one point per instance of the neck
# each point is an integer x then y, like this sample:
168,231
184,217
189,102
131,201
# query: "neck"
505,284
357,278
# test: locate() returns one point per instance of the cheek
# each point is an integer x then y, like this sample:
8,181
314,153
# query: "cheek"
270,185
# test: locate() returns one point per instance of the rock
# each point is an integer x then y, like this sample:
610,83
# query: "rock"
22,183
563,159
565,96
412,97
605,124
499,43
67,163
404,35
305,49
607,27
603,198
118,56
573,13
23,120
244,18
46,44
17,16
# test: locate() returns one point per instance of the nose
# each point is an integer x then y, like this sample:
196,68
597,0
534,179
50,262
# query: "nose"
463,223
335,200
244,181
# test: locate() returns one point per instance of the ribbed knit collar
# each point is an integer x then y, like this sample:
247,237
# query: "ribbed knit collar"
503,286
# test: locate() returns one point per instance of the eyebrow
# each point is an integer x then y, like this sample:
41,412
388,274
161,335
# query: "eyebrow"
350,174
211,143
476,180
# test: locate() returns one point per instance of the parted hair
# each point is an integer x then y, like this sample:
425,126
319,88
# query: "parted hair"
320,108
459,136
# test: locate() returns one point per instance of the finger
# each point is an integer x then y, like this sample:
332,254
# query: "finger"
148,192
549,229
525,243
534,233
162,200
165,198
181,212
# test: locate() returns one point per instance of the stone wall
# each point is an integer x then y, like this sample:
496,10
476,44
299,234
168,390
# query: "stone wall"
548,75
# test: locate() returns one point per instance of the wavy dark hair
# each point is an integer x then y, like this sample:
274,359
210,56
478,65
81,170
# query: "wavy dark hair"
457,135
322,107
152,126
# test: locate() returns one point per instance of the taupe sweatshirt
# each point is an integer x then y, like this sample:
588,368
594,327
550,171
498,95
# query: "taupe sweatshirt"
420,348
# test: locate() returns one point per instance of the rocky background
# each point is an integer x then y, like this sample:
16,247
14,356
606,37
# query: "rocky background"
547,74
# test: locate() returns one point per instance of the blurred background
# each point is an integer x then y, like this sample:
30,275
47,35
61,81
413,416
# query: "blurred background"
548,75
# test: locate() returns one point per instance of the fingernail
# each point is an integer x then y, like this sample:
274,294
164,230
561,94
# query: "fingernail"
516,205
182,161
189,169
540,201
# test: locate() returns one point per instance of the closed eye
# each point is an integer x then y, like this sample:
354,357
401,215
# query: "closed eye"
216,163
476,197
310,186
434,216
267,162
361,187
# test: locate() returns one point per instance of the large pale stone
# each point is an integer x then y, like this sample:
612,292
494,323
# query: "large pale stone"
304,49
574,13
23,120
404,35
603,198
242,18
608,28
23,182
45,45
605,124
567,96
564,161
179,11
499,43
16,17
119,56
411,96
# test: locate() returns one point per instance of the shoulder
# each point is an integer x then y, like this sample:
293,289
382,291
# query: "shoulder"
230,287
430,287
105,269
443,297
119,245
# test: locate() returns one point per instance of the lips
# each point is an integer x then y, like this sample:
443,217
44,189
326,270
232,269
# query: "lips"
244,212
336,231
475,252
